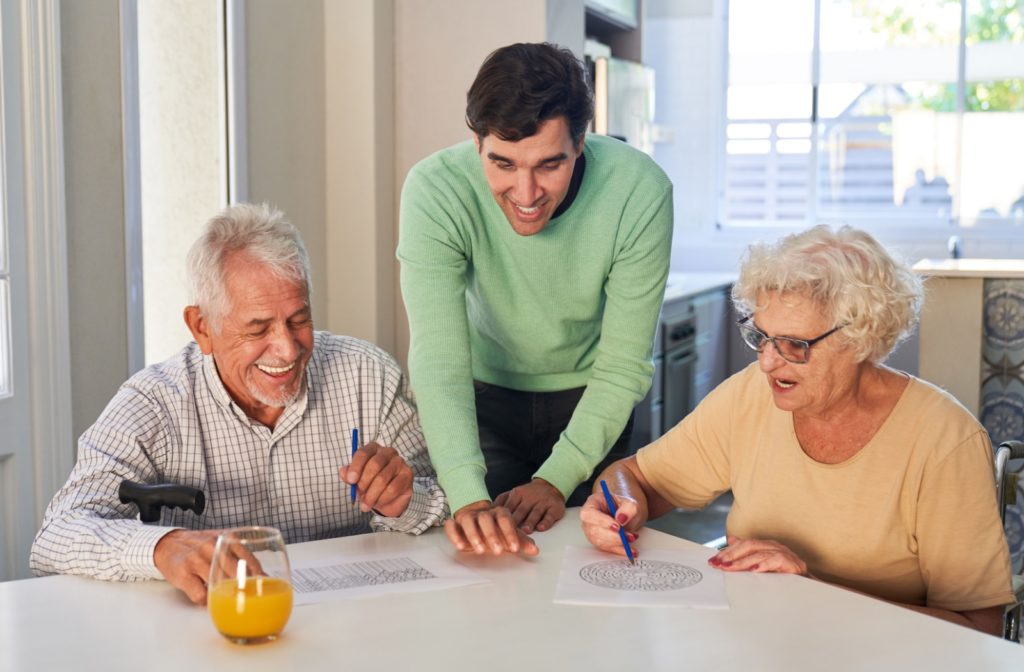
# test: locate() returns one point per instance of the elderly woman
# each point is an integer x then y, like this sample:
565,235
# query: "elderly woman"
840,467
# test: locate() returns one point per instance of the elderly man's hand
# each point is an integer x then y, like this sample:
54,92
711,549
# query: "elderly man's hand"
602,531
184,557
382,478
482,526
536,505
758,555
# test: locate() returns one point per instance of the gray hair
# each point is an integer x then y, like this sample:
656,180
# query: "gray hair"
853,278
260,231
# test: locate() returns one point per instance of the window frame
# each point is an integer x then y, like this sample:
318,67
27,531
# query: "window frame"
894,228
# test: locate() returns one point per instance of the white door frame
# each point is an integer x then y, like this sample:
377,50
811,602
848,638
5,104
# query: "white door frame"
34,187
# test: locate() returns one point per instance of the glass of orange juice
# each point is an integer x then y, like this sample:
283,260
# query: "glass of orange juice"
249,594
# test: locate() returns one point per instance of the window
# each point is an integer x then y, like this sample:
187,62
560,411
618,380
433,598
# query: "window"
893,111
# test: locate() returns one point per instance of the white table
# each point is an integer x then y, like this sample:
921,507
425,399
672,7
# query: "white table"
774,623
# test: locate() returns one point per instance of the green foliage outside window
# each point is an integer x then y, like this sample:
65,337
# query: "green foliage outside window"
988,21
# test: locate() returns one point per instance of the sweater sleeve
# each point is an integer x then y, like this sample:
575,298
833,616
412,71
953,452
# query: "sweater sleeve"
433,261
622,370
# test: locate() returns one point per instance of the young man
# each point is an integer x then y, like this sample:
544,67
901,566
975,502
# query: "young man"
533,263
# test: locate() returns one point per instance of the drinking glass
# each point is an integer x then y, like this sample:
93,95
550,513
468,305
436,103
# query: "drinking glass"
249,594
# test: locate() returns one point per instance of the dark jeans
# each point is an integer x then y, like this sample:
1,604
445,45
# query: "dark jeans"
519,429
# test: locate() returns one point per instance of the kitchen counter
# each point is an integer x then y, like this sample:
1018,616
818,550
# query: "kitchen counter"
682,285
971,268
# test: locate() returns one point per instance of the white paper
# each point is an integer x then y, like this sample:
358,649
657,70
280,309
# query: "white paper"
371,575
680,578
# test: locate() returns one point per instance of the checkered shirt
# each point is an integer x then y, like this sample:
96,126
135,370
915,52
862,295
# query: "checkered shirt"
174,422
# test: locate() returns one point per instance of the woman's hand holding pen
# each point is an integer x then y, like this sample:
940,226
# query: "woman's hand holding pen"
603,531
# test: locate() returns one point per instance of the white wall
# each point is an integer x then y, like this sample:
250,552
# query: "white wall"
285,115
359,139
93,179
182,156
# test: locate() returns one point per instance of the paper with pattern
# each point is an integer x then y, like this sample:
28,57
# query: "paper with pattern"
372,575
659,578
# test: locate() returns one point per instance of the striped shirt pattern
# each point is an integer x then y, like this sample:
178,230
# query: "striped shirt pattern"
174,422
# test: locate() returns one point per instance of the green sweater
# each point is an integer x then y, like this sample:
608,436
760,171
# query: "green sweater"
575,305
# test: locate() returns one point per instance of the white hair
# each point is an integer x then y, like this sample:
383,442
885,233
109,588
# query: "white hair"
261,232
855,281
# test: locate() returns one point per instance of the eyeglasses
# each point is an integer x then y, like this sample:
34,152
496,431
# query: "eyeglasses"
792,350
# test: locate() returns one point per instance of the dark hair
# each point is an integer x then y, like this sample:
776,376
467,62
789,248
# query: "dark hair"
523,85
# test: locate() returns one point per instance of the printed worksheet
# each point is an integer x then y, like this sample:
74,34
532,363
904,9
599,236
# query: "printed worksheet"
679,578
372,575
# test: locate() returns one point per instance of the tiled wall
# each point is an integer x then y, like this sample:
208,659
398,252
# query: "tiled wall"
1002,385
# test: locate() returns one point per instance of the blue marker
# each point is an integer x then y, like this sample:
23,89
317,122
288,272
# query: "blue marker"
622,532
355,447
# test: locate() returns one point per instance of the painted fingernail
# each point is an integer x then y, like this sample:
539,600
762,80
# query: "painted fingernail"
621,518
754,566
715,561
630,536
726,563
614,527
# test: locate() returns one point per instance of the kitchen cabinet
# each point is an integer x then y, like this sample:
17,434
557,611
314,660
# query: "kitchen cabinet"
618,24
691,351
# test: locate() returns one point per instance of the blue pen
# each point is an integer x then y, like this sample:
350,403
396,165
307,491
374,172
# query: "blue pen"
622,532
355,447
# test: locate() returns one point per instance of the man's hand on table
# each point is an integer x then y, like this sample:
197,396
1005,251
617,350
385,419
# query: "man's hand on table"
483,527
382,478
536,505
184,557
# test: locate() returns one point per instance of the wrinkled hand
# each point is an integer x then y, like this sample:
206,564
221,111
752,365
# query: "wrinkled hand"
602,530
184,558
536,505
382,478
758,555
482,526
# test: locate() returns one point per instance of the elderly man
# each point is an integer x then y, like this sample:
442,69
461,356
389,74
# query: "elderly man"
534,260
257,413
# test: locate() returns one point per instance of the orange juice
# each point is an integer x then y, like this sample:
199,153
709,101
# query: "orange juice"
257,607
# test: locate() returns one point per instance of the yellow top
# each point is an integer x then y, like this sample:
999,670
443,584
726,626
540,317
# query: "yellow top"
911,517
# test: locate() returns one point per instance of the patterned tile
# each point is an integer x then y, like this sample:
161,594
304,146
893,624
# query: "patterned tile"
1002,386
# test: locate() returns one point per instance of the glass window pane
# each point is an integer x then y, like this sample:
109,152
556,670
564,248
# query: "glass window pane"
993,123
769,97
886,106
